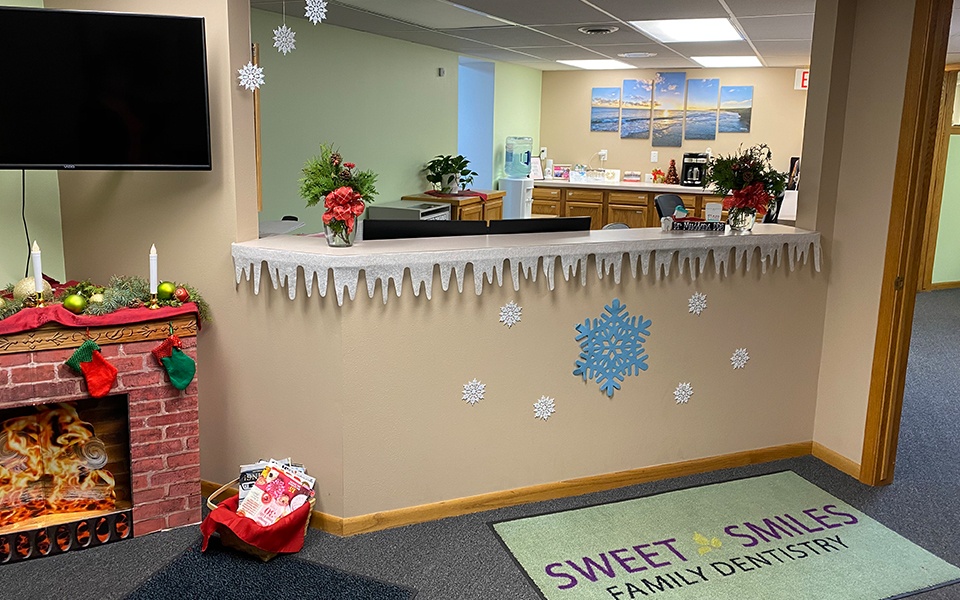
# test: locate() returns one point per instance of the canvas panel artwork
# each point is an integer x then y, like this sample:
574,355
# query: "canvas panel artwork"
703,99
605,109
635,106
668,109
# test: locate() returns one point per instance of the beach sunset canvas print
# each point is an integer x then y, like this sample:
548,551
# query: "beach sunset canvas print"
703,98
668,109
736,108
635,109
605,109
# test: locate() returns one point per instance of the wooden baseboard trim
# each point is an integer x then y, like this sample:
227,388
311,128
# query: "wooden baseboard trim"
561,489
944,285
836,460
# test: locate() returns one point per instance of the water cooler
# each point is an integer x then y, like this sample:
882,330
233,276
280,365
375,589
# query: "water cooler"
518,201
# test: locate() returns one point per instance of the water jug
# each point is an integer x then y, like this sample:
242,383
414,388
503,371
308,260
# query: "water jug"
517,156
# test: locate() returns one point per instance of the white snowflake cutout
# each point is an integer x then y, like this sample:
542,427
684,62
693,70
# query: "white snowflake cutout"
473,392
316,10
284,39
739,358
251,76
543,408
510,313
682,393
698,303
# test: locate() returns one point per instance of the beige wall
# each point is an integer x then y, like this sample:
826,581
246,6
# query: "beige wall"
867,43
565,119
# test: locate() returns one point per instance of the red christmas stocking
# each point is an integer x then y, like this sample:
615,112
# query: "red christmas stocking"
99,373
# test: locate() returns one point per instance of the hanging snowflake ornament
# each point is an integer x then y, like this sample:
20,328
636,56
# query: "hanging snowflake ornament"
510,313
316,10
543,408
682,393
698,303
473,392
284,39
739,358
251,76
611,347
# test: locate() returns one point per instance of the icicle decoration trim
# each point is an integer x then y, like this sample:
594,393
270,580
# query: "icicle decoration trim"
491,264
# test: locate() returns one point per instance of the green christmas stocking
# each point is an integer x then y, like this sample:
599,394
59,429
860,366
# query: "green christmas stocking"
99,373
180,368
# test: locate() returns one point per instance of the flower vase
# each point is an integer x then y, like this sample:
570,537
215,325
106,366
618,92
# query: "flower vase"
337,234
741,219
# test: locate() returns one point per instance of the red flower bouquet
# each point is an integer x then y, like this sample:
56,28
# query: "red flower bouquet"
748,181
342,189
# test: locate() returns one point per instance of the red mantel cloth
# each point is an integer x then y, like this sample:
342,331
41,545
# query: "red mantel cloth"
463,194
32,318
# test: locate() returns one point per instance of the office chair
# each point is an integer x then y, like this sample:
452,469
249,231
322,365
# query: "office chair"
616,225
773,215
666,203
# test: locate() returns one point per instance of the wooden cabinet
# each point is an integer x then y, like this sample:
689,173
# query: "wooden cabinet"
547,201
468,208
493,208
594,210
631,215
470,212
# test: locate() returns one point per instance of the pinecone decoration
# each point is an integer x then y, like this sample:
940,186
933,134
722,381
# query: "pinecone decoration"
336,159
672,176
346,174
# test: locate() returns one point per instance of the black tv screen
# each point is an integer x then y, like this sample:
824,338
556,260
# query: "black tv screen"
94,90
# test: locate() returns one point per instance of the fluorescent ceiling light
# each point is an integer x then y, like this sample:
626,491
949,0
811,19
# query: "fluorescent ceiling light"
597,65
727,61
689,30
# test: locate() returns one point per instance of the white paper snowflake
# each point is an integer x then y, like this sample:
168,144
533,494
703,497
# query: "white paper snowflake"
284,39
473,391
543,408
682,393
698,303
510,313
316,10
251,76
739,358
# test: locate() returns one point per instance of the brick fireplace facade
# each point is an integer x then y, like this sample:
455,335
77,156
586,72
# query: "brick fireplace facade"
164,422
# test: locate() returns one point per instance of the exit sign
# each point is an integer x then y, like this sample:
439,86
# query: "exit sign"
802,79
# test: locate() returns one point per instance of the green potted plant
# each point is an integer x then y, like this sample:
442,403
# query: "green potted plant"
446,172
749,183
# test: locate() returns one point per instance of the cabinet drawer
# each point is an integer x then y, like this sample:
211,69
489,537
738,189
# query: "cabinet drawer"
546,193
632,215
585,195
546,207
641,198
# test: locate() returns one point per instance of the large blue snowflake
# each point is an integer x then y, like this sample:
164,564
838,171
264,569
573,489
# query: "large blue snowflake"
611,347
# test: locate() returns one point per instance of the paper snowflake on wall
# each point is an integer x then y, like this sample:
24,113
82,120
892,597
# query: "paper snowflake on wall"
682,393
698,303
510,313
251,76
316,10
739,358
284,39
473,392
543,408
611,347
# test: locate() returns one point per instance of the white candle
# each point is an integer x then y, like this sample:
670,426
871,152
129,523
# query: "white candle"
37,268
153,269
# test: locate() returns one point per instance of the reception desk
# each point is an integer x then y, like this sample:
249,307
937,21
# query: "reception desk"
422,395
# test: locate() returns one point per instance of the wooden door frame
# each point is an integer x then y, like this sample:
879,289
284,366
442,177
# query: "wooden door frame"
901,267
939,168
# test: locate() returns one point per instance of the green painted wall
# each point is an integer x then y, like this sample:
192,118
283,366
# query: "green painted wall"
42,213
946,262
380,100
516,109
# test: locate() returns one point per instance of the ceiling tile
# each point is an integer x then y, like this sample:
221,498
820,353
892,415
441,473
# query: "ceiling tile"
796,27
664,61
798,61
571,33
505,36
434,39
631,10
735,48
566,53
526,12
428,13
754,8
502,54
784,48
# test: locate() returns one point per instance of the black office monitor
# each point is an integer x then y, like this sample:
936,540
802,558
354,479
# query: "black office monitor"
550,225
391,229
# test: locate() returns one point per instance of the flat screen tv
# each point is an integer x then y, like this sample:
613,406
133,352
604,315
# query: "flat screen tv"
104,91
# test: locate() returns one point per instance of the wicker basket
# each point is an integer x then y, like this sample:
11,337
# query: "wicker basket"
231,540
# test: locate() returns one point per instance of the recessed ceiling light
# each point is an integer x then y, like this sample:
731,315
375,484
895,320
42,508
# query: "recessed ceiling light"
637,55
598,29
597,65
728,61
689,30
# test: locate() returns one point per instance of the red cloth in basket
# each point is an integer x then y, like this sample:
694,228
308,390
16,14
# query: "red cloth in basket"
286,535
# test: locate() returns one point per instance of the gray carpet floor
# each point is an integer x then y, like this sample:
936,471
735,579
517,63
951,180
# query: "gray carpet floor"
461,559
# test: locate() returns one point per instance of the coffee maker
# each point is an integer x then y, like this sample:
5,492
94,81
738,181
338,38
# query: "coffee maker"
694,168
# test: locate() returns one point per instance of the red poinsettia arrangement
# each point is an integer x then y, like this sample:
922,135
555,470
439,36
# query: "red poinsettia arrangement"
343,204
746,179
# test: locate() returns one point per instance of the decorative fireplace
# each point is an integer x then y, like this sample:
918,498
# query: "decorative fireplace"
78,472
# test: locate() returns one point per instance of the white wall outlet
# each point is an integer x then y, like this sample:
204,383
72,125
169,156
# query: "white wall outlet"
654,156
602,154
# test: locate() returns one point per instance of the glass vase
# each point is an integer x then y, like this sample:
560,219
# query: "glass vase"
337,234
741,219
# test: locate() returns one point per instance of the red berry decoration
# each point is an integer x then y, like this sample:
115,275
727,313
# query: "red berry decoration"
181,294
